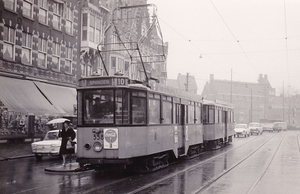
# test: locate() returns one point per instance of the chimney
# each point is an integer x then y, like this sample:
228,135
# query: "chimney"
211,77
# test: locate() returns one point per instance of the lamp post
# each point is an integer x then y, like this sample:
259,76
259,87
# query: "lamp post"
250,117
251,107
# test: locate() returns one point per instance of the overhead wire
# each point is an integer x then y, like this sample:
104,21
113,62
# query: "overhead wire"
234,36
189,40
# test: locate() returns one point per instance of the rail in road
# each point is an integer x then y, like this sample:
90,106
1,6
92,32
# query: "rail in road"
248,165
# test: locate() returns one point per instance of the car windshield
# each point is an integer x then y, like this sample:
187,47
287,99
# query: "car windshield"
240,126
277,124
253,125
51,136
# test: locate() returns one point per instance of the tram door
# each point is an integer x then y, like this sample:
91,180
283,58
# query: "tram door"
181,111
226,123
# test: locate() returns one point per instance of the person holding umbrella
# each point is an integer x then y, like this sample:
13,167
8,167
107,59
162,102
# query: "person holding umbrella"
67,136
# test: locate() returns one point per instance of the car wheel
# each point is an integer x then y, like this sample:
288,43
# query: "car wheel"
38,157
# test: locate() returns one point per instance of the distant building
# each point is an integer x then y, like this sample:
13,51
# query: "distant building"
251,101
184,82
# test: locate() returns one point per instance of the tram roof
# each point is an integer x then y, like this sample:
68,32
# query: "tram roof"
122,81
218,103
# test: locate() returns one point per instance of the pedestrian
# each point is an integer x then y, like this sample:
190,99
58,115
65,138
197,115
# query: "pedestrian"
67,134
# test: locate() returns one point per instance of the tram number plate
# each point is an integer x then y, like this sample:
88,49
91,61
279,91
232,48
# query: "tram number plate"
120,81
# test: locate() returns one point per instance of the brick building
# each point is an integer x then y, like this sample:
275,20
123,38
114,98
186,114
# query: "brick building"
47,45
251,101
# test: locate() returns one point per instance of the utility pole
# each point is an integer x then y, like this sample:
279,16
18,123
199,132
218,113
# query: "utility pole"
231,88
187,82
283,103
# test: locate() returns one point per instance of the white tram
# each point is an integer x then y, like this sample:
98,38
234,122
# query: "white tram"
140,127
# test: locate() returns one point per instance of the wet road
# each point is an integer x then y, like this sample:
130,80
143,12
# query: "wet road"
269,163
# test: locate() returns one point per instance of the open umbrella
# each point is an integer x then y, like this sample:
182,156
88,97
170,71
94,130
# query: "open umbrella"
58,120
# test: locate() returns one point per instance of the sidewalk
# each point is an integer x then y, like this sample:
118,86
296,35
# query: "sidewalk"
9,151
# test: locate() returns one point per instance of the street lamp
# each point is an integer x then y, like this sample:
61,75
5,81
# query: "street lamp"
250,105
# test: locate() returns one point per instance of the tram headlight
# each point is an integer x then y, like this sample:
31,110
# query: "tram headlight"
97,146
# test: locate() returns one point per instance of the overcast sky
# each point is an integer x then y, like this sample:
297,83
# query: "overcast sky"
249,37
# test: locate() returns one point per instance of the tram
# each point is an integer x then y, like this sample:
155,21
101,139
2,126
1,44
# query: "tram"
143,127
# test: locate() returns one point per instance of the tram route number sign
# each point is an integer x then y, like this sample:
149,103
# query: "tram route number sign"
107,82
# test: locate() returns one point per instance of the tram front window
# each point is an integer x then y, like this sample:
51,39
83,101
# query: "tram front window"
99,106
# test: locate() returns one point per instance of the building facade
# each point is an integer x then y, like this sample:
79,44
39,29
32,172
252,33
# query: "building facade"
251,101
47,45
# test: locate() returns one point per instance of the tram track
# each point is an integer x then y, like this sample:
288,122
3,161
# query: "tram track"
106,185
204,187
267,166
193,167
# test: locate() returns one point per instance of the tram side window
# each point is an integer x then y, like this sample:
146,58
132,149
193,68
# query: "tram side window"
217,115
198,114
154,109
191,112
223,116
177,113
167,110
205,114
139,107
211,114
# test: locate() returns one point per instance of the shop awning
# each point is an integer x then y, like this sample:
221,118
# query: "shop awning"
63,98
23,96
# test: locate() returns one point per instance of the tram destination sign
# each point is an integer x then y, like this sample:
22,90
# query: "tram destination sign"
104,81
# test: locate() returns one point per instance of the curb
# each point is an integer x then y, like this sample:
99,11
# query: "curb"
16,157
68,168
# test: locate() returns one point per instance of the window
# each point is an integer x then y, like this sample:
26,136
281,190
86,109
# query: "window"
191,113
167,110
92,28
99,107
42,53
211,114
56,56
9,43
84,26
113,62
27,8
69,60
154,109
198,113
43,14
26,48
208,114
69,20
95,29
121,64
122,107
217,115
10,4
57,12
139,102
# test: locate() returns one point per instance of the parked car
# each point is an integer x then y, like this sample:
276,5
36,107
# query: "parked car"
279,126
241,129
50,145
256,128
268,127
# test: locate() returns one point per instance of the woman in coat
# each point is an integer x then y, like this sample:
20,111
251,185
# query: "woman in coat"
66,134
